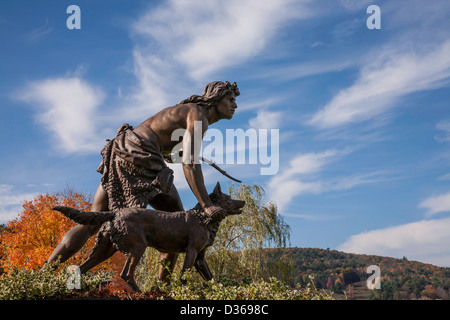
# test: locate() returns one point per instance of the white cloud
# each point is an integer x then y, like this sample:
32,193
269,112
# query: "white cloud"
66,107
347,28
179,180
308,163
40,33
180,45
175,43
11,202
302,176
254,101
383,82
8,215
297,71
266,120
436,204
155,84
443,126
206,36
5,188
347,183
209,176
355,4
444,177
283,192
314,216
425,241
181,41
287,184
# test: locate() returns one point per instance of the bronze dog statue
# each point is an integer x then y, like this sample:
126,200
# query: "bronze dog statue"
131,230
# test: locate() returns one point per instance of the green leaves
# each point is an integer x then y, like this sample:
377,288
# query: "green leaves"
237,248
229,289
23,284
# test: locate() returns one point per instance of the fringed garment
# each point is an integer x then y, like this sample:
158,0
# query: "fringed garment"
133,169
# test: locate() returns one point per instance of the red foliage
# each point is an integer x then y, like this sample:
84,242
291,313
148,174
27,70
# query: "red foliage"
30,239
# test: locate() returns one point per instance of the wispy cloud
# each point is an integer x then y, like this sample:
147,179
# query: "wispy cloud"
383,82
40,33
444,128
436,204
66,107
298,71
266,120
180,45
425,241
210,176
204,37
444,177
345,29
11,202
314,217
303,176
194,40
292,181
254,101
156,83
355,4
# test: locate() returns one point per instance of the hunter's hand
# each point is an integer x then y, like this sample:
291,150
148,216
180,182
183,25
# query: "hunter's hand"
215,213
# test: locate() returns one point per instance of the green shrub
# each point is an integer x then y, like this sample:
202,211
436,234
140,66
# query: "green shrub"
247,289
21,284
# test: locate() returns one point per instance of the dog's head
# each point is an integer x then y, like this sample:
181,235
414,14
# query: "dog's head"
224,201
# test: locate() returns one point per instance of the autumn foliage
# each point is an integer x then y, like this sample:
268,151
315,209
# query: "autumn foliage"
30,239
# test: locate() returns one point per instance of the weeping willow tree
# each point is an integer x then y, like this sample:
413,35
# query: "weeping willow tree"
238,250
239,247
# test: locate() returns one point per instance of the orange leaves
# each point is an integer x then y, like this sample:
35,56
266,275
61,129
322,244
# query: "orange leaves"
32,236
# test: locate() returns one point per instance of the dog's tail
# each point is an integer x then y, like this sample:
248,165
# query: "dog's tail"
86,218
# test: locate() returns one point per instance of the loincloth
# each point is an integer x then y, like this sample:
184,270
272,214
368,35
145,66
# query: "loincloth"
133,170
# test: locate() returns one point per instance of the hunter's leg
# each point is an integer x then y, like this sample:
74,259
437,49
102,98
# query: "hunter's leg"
76,237
102,250
167,202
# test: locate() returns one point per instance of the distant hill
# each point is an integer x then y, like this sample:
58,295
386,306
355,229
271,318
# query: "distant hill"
345,274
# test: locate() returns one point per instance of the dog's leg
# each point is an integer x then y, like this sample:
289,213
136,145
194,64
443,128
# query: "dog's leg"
202,266
189,260
130,266
126,266
168,261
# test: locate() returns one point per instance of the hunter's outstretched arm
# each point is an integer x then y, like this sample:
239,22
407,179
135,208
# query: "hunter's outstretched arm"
197,125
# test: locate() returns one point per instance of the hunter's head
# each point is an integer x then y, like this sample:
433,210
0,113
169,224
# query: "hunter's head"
219,95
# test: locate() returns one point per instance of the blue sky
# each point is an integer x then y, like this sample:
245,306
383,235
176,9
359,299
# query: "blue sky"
363,115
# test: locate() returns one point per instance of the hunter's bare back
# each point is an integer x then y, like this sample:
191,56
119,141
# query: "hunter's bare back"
165,122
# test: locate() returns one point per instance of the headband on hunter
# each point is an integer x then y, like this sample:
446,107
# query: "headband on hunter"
233,88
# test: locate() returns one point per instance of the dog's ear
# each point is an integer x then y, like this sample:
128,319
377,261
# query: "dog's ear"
217,191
